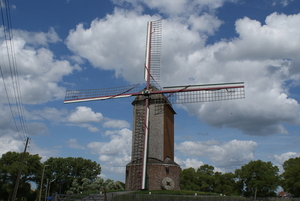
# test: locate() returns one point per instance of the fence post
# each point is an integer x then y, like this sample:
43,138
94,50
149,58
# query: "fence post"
54,196
105,197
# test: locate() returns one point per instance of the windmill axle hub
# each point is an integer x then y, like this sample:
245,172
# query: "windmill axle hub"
146,93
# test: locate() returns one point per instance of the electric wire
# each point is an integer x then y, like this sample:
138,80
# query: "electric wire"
17,113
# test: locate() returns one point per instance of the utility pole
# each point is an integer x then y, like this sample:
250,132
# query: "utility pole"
42,182
19,173
46,189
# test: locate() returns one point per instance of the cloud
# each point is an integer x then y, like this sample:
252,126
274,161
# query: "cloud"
118,44
12,143
48,113
84,114
115,154
265,57
205,23
184,164
282,2
38,38
171,8
6,123
43,152
93,129
73,143
37,128
85,117
90,127
284,157
228,155
8,143
194,163
15,127
119,140
38,71
113,123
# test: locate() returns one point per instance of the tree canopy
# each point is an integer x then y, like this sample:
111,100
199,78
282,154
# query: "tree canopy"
61,172
260,179
291,176
96,185
257,178
188,179
205,175
9,168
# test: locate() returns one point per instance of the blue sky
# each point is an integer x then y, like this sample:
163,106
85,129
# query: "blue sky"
77,44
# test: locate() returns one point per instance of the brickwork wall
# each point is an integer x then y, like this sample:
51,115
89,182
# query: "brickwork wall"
156,172
156,137
133,177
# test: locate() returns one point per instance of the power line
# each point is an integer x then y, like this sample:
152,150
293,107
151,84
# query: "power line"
14,95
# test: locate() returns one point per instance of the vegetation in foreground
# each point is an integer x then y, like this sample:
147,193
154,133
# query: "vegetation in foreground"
80,176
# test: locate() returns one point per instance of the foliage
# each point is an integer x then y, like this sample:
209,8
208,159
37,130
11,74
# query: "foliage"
78,175
291,176
62,172
225,184
260,178
205,178
188,179
96,185
9,168
257,178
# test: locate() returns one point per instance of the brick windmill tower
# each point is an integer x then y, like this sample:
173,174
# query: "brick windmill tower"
152,163
162,171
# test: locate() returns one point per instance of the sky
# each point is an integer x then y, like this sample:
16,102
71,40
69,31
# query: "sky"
77,44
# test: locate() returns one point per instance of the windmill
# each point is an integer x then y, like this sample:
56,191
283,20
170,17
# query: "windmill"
153,96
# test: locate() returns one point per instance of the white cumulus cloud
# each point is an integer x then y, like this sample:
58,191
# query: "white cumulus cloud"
228,155
285,156
85,114
115,154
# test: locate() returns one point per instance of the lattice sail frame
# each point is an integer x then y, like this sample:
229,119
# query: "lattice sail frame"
172,95
205,93
84,95
153,53
175,95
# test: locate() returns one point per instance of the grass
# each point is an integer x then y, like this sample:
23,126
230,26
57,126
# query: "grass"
164,195
175,192
174,196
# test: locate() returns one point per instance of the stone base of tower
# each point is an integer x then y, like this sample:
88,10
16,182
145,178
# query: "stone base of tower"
161,175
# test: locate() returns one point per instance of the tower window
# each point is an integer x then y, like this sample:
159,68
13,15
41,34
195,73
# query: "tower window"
167,169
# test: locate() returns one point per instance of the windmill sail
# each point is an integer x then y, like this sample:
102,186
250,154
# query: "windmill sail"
153,53
83,95
204,93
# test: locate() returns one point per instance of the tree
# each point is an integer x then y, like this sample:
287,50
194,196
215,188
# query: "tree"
97,185
188,179
62,172
205,177
225,183
110,184
9,168
260,178
291,176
